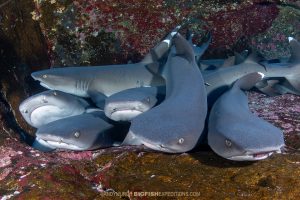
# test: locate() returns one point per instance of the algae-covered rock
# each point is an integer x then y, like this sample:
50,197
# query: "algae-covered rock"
35,34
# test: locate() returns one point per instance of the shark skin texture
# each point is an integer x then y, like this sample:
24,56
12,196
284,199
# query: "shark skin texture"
175,125
235,133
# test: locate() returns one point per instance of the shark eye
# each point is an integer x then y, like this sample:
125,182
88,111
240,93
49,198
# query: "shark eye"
180,141
54,93
45,76
25,111
228,143
77,134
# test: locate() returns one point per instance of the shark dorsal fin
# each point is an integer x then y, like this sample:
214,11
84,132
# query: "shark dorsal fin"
240,57
249,80
252,58
229,61
295,50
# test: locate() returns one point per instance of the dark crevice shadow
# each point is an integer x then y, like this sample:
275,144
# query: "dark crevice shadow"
205,155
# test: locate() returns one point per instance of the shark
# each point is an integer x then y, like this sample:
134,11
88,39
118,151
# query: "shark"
51,105
234,132
175,125
87,131
127,104
100,82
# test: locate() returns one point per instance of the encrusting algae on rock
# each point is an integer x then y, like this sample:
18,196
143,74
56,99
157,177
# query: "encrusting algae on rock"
101,31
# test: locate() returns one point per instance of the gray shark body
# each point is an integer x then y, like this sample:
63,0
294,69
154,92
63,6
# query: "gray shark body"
235,133
85,81
219,80
176,124
49,106
87,131
98,82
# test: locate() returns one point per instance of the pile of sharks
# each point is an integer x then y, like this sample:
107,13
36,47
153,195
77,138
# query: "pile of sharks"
170,102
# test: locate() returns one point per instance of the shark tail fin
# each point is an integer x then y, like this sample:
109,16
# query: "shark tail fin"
183,48
158,51
295,50
248,81
199,50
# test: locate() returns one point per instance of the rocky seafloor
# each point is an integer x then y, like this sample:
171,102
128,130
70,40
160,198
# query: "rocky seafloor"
38,34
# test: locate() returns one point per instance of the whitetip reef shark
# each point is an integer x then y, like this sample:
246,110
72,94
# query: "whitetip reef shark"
51,105
127,104
237,134
102,81
88,131
175,125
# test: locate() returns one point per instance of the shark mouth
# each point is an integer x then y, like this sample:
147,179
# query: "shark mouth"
253,156
57,145
45,85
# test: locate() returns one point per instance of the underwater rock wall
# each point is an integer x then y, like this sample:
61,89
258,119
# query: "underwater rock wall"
37,34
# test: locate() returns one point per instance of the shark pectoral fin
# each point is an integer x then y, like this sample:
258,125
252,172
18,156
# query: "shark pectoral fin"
229,62
267,87
261,84
98,98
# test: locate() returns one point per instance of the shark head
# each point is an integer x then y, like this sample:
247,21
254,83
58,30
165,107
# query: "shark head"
247,141
171,141
49,106
62,79
237,134
82,132
127,104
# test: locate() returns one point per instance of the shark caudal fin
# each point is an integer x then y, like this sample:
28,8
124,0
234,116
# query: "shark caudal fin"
198,50
248,81
183,48
295,50
159,50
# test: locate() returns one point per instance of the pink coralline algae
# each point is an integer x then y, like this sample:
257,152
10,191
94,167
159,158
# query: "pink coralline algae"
230,26
283,111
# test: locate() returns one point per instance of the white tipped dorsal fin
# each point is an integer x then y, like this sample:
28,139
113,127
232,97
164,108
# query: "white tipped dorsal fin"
229,61
248,81
295,49
252,58
240,57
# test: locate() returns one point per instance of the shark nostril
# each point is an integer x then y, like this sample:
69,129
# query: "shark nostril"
44,100
25,111
228,143
148,99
